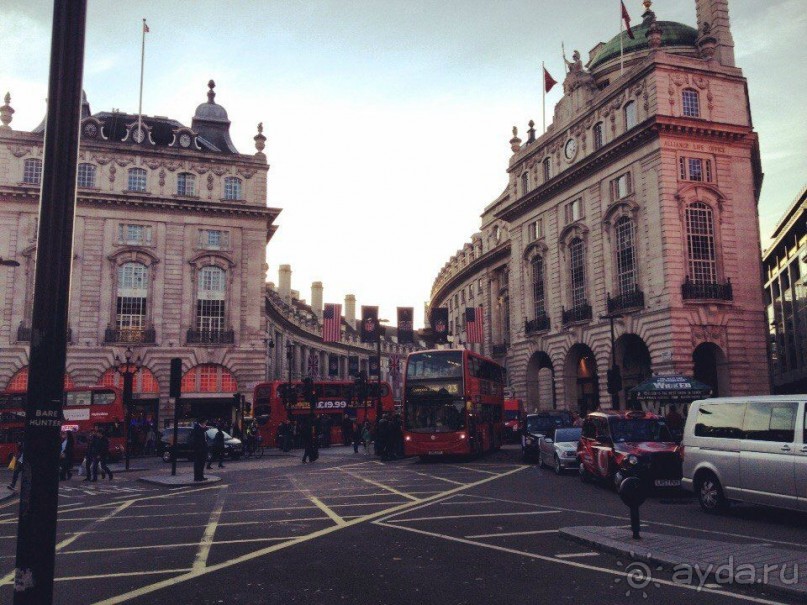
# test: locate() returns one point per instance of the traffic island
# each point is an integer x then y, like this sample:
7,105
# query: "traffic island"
702,563
178,480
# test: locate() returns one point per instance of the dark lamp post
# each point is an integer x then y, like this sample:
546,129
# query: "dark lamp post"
614,374
381,332
127,370
289,359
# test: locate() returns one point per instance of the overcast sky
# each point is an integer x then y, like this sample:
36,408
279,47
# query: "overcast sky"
387,121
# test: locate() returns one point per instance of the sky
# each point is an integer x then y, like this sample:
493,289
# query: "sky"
387,121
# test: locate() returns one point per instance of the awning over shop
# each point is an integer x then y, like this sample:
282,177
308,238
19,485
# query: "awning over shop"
671,388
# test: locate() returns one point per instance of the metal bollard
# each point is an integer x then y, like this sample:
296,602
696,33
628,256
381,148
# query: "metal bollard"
633,494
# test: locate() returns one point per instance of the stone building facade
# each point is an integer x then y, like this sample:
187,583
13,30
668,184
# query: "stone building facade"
637,208
169,256
785,263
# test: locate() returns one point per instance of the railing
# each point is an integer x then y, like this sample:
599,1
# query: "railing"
130,335
539,324
499,350
578,313
24,334
706,291
213,337
629,300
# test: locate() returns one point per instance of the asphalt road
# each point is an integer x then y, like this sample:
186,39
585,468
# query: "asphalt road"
350,529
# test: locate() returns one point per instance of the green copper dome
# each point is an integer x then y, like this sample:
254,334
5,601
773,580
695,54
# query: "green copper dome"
672,34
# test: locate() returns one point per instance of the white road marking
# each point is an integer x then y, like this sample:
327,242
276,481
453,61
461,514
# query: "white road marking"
200,562
122,574
164,546
439,478
381,485
331,514
516,533
572,555
476,470
531,512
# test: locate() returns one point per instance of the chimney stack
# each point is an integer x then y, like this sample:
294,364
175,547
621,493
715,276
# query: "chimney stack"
350,310
316,298
284,282
714,30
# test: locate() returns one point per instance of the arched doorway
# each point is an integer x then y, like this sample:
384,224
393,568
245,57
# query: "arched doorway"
581,381
540,383
711,368
633,359
145,407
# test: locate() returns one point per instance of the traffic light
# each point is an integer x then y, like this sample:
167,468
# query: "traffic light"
614,380
361,386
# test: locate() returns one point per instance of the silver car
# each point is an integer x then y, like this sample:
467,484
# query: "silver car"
558,449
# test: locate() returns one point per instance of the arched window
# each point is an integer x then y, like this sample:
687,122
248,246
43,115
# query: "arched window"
598,140
130,317
19,382
32,171
630,115
537,265
209,378
525,183
186,184
625,232
701,244
690,103
137,179
86,175
232,188
577,273
143,381
210,301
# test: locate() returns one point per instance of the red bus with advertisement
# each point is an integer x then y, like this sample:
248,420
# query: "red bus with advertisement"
453,403
83,409
335,398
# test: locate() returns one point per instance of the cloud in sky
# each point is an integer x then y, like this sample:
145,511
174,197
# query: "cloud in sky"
387,122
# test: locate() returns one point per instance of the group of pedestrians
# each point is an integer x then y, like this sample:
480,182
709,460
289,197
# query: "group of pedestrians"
204,453
97,455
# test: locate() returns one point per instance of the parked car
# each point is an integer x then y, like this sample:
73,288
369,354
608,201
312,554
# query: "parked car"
536,425
616,443
751,449
233,447
558,449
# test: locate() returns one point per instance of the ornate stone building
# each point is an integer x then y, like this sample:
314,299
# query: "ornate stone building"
638,206
295,330
170,245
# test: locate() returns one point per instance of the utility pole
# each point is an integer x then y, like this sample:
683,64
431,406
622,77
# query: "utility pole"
39,494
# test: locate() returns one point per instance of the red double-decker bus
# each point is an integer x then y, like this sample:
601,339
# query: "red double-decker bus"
335,398
453,403
84,408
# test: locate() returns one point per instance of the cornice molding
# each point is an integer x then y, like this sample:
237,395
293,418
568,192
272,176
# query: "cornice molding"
485,261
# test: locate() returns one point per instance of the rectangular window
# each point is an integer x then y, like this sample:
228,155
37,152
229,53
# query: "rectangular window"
598,141
547,169
479,289
535,230
186,184
214,239
134,235
720,420
695,166
621,187
630,115
708,165
767,421
574,210
209,315
137,179
86,175
695,169
32,172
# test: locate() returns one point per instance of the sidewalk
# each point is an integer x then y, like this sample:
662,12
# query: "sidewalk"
749,564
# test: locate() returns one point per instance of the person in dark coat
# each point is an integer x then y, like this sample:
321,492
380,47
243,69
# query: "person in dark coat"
217,451
102,449
91,459
66,456
199,444
310,439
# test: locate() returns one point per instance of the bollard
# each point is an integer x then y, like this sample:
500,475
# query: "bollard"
632,492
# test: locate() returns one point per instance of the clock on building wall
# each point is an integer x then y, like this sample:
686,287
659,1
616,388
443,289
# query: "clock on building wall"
570,149
90,130
185,140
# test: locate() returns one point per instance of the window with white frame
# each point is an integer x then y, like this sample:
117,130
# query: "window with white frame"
86,175
134,235
630,115
626,277
547,169
598,135
577,273
186,184
690,103
137,179
214,239
574,210
210,299
537,265
695,169
130,317
32,171
701,244
621,187
232,188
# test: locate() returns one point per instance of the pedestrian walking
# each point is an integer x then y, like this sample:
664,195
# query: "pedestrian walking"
356,435
366,436
199,443
91,459
217,451
66,456
347,430
19,461
310,439
102,457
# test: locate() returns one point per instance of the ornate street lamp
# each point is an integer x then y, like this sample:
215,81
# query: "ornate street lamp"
127,370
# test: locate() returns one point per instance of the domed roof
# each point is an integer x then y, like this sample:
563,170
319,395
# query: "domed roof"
672,34
211,111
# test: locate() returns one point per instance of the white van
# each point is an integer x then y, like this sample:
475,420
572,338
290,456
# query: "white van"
752,449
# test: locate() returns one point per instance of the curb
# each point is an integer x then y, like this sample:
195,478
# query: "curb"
178,480
666,561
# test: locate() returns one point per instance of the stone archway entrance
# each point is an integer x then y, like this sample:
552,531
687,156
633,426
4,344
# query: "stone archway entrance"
710,367
540,383
581,380
633,359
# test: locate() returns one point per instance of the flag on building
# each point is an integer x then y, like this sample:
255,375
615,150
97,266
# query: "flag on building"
475,324
626,19
405,325
369,324
313,364
353,365
549,81
145,27
333,365
395,370
439,323
331,322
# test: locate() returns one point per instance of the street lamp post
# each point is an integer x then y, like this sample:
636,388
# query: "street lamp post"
614,374
381,332
127,370
289,359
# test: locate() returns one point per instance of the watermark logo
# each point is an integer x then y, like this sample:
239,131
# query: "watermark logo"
638,577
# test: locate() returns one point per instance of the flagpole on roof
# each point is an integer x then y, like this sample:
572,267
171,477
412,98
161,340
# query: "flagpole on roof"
543,96
142,62
621,46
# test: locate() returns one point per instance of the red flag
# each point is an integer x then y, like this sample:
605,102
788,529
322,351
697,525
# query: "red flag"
549,81
145,27
331,322
626,19
474,324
